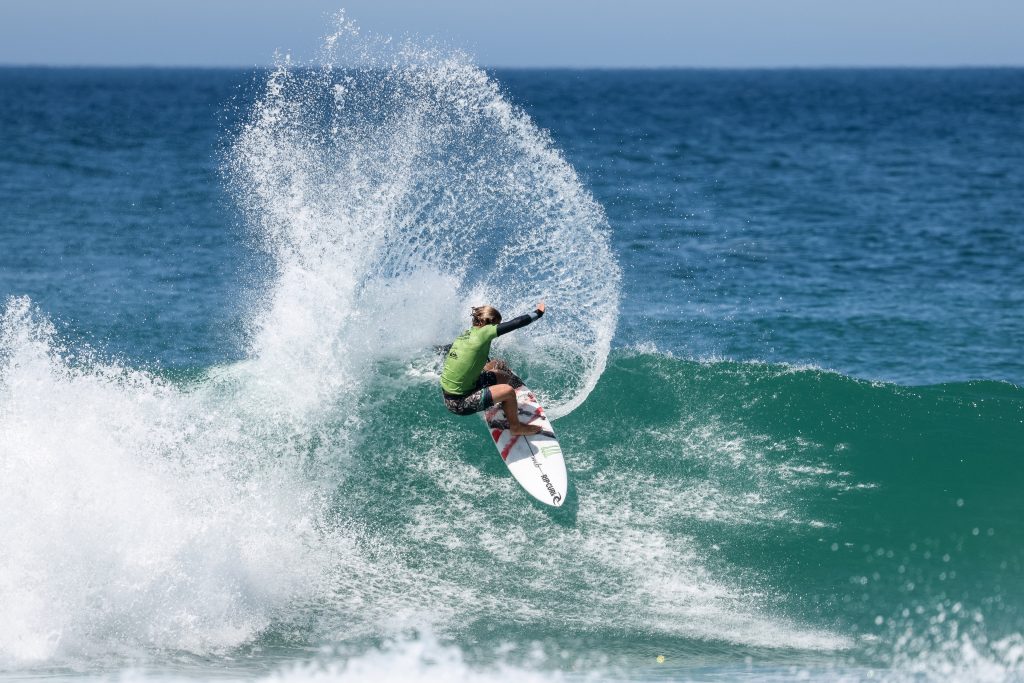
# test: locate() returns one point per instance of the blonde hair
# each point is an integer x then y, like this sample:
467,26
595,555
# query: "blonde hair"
485,315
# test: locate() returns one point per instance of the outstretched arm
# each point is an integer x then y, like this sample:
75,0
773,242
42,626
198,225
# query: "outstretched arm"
521,321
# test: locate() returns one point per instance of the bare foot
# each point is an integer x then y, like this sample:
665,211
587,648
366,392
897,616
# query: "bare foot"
524,430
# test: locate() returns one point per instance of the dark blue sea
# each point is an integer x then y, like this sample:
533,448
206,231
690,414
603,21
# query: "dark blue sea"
783,344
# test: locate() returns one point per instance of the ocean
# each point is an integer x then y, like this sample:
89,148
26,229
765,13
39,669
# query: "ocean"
783,348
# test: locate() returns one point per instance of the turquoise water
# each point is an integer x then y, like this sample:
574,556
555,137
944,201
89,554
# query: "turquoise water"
782,345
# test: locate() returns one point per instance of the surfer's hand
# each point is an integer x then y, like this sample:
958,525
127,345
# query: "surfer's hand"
540,307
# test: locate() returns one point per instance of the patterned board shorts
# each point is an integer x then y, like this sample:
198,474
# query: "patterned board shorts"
475,401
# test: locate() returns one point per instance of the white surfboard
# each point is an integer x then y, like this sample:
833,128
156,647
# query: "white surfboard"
536,460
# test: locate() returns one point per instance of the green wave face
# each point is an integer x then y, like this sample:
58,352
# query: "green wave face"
757,506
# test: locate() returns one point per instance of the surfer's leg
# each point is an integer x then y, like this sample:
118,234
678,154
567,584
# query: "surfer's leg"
502,374
505,394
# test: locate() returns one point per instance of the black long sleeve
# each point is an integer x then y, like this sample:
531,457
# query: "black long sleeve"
516,323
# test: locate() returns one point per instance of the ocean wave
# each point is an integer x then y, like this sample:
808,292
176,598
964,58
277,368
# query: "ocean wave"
317,493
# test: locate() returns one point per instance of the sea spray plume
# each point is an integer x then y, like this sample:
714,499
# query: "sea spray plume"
383,164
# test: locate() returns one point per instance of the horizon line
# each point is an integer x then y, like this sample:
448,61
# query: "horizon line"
553,67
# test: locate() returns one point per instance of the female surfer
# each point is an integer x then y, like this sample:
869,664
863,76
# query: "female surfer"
469,383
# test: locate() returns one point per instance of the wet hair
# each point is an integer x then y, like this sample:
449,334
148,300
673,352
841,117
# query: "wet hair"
485,315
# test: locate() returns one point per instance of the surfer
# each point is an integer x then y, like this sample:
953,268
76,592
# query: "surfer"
470,382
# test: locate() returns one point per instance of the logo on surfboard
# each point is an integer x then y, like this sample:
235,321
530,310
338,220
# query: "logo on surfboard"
555,497
549,449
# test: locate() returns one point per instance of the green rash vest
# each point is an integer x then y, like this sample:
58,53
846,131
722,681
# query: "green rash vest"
466,359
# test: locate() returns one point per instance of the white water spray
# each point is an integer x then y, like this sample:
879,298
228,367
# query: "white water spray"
403,164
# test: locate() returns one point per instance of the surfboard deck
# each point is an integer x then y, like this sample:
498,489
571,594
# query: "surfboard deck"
536,460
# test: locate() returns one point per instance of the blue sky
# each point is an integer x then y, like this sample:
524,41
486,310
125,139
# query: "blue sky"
623,33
